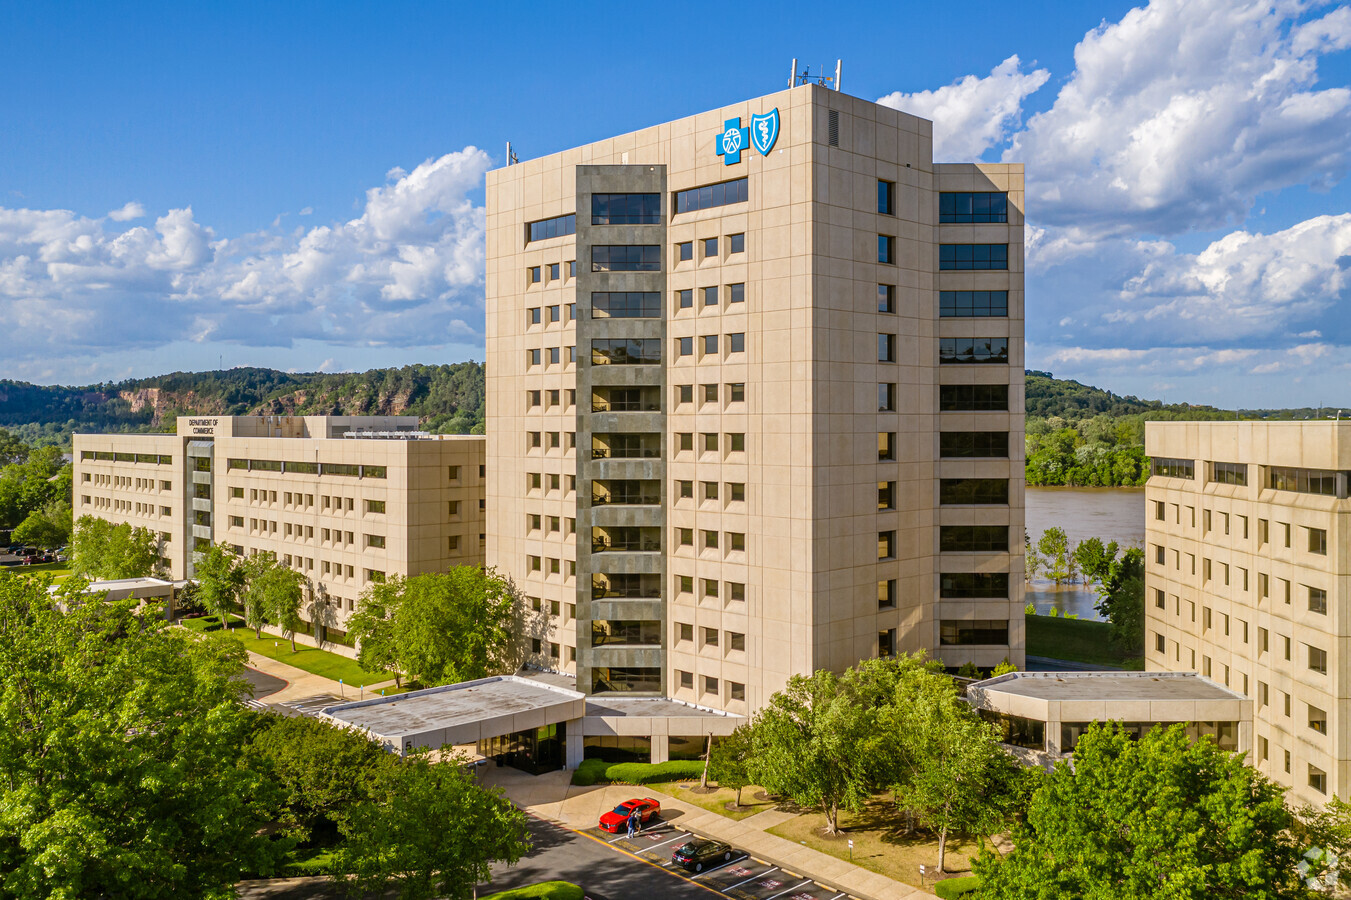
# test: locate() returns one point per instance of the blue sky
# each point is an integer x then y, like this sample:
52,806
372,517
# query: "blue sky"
300,185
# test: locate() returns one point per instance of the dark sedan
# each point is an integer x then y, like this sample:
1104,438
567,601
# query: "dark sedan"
697,855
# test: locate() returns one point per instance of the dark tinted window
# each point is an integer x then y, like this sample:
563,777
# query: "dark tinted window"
973,208
626,304
711,195
1173,468
549,228
626,258
956,351
621,351
975,631
971,585
886,194
973,256
973,538
973,491
987,444
973,397
625,209
970,304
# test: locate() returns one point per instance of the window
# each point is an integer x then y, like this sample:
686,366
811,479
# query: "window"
553,356
621,351
1305,481
534,274
886,397
1318,779
686,440
736,293
1318,660
961,257
886,348
736,492
625,209
625,258
957,632
886,249
710,685
736,243
625,305
1173,468
1229,473
886,298
973,491
736,342
736,442
1158,510
1318,600
973,585
972,208
886,594
736,541
1318,541
886,197
710,344
685,251
886,545
685,299
957,351
710,489
886,643
736,392
1159,601
685,489
532,357
972,304
710,441
711,195
973,397
685,537
1318,720
886,446
532,315
558,226
710,248
572,273
886,495
973,538
710,393
375,540
973,444
375,506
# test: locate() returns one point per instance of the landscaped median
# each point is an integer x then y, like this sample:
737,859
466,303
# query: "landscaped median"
310,659
676,778
548,890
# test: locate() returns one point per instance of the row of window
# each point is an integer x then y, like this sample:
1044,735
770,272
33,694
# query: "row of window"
1317,537
1317,596
306,468
951,397
708,344
647,257
536,274
736,243
154,459
1280,478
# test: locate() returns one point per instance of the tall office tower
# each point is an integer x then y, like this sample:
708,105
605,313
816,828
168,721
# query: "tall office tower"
1247,569
347,501
755,399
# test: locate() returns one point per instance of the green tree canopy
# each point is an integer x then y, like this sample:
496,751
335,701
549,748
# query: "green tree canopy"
101,550
1156,819
120,748
1121,598
730,760
48,527
268,590
220,580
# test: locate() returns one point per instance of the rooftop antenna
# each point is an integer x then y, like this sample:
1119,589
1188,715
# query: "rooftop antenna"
792,74
511,155
805,76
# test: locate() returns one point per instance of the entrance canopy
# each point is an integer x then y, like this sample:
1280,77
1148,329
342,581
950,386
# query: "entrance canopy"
463,713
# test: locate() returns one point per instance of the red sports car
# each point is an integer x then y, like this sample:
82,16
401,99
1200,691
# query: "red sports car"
617,819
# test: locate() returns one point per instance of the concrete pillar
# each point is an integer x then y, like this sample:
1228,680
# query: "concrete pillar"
661,748
574,744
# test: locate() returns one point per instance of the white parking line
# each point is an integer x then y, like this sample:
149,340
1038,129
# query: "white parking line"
723,866
793,888
664,843
752,878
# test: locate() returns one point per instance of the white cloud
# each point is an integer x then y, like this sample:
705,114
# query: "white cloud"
132,210
307,211
972,114
407,271
1179,115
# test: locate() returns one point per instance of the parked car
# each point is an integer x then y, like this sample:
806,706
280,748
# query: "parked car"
617,819
696,855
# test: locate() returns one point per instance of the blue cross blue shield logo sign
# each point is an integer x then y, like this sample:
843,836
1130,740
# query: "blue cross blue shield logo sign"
765,131
732,141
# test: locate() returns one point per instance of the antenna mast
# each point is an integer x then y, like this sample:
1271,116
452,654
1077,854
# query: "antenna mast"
796,78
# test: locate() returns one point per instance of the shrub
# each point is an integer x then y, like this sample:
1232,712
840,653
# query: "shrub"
951,888
598,771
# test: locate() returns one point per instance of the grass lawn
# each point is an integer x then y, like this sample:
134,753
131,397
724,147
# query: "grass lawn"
548,890
718,800
1076,640
311,659
879,842
309,861
58,570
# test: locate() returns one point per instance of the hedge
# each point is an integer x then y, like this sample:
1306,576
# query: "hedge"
951,888
598,771
547,890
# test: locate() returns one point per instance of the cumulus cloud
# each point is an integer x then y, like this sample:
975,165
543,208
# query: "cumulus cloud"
1189,361
972,114
407,271
1179,115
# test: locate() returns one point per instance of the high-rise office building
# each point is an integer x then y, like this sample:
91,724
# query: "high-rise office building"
1247,565
755,399
344,500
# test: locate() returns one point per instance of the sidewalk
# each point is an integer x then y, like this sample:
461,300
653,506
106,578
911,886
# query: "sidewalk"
552,796
302,685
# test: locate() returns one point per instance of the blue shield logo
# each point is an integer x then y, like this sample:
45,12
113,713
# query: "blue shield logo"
765,131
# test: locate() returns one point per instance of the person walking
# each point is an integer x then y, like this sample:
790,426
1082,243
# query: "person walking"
633,824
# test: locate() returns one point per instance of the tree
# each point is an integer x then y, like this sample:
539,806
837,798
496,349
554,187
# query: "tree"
1162,817
371,625
428,831
270,592
120,744
101,550
1095,558
220,580
1032,561
47,527
12,449
1121,598
809,744
729,761
323,770
1054,547
441,628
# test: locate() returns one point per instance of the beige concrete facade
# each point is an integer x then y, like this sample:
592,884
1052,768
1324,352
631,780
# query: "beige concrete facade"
344,511
1248,563
728,503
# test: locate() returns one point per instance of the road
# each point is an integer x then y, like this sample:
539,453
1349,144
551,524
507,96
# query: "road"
605,872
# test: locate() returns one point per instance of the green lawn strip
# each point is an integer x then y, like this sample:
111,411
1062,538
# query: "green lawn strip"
951,888
717,800
310,659
548,890
1075,640
58,571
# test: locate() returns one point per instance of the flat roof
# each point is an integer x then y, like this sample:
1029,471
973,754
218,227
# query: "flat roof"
1108,686
648,707
484,702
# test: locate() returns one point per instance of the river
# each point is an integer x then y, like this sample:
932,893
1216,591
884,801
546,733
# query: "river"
1112,514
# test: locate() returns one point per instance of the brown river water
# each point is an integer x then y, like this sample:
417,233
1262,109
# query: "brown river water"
1112,514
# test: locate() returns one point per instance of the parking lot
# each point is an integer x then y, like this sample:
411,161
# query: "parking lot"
743,877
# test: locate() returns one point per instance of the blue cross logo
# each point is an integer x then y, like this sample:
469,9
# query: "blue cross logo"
732,141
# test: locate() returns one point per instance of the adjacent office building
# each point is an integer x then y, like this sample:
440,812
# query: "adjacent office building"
345,500
1248,556
755,399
